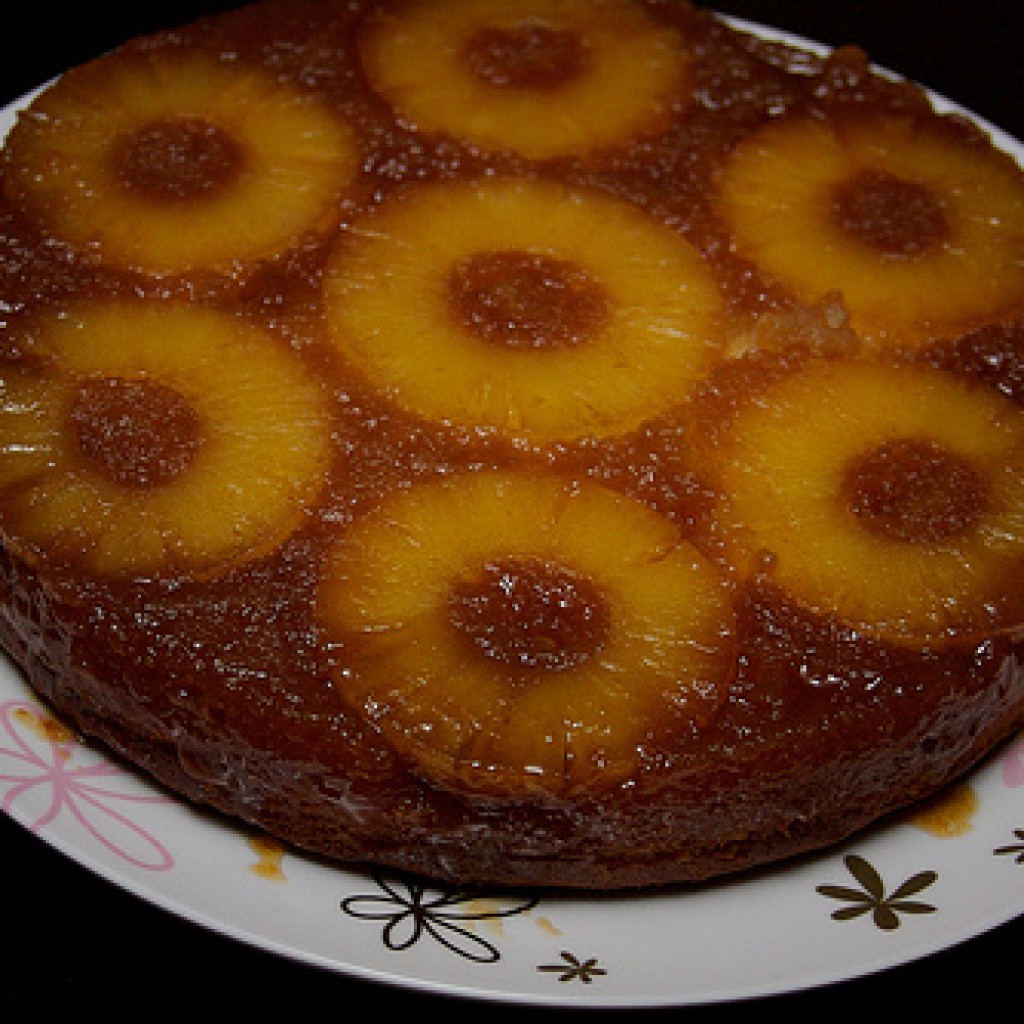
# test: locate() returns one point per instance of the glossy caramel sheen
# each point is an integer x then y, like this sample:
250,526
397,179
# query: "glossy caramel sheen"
914,491
178,159
529,614
527,300
226,687
897,217
527,56
138,433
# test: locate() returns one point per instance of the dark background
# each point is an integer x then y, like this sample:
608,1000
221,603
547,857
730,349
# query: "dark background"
75,948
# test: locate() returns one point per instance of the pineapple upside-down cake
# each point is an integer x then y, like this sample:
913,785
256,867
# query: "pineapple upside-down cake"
560,442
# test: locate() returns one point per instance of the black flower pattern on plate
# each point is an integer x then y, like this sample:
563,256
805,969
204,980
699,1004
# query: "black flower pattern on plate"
1017,849
574,969
412,908
871,897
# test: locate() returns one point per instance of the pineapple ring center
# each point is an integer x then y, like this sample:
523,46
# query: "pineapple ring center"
530,613
889,214
137,433
178,158
526,56
526,300
914,491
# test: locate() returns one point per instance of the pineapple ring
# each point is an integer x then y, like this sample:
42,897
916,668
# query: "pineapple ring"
543,78
167,162
652,662
923,235
391,288
232,442
890,497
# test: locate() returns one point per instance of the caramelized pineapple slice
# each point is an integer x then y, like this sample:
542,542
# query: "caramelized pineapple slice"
513,633
167,162
890,497
922,234
157,437
519,306
543,78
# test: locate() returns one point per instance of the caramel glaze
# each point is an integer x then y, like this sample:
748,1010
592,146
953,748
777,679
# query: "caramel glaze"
914,491
539,616
530,56
177,160
526,300
138,433
896,217
225,689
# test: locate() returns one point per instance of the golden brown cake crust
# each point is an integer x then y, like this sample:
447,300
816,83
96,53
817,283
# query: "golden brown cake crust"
227,682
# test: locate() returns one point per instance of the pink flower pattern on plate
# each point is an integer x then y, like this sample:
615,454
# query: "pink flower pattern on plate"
47,773
1013,765
1013,758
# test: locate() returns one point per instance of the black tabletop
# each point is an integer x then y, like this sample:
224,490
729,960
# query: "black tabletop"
74,947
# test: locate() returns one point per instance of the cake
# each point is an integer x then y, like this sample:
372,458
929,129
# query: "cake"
571,444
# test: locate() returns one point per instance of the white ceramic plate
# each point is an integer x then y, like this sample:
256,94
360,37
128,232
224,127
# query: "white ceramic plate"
890,896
